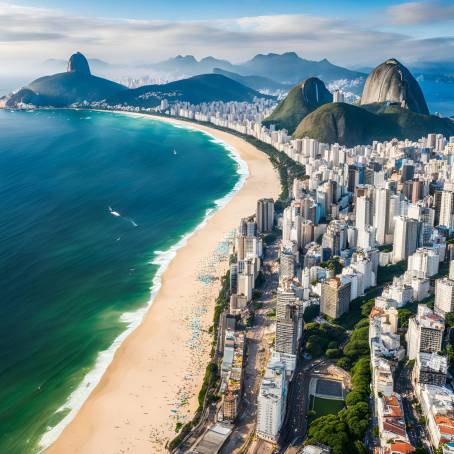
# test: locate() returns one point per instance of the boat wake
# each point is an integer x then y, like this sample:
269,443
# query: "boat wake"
118,215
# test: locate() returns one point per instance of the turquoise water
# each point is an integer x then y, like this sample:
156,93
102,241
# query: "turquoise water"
69,267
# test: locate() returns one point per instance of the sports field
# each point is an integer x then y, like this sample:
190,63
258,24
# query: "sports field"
324,407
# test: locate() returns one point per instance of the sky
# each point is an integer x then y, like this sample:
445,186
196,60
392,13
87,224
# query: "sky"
352,33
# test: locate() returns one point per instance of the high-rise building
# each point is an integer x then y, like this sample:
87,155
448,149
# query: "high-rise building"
430,368
288,331
286,264
246,284
265,215
271,402
407,172
381,214
335,237
423,263
447,210
425,332
444,295
285,296
307,233
394,212
335,298
406,237
338,96
233,277
364,214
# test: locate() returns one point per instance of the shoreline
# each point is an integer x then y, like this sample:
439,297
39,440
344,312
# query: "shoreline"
134,406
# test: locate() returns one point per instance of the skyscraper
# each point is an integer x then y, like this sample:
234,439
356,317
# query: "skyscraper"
447,209
406,238
265,215
381,214
335,298
271,402
288,330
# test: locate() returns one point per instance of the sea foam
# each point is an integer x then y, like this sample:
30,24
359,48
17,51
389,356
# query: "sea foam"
133,319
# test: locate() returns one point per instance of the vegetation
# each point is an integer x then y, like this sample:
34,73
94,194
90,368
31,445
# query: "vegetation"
351,125
196,90
333,264
311,312
345,431
405,313
323,407
359,308
321,337
387,273
299,102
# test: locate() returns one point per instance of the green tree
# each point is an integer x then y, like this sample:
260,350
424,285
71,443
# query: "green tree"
331,431
311,312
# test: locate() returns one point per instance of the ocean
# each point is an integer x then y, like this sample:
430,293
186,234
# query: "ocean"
93,206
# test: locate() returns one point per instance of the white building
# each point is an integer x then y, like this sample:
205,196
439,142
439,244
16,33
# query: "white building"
444,295
271,403
447,209
405,238
424,262
425,332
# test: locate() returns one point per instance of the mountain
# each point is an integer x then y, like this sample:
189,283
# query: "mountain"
351,125
290,68
188,65
301,100
392,82
254,82
77,84
96,64
197,89
287,68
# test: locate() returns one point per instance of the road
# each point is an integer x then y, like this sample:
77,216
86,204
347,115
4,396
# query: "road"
415,430
258,338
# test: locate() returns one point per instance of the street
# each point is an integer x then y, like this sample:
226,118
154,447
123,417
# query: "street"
259,337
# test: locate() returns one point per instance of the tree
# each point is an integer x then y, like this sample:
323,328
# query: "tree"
367,307
449,319
333,353
357,419
311,312
331,431
344,363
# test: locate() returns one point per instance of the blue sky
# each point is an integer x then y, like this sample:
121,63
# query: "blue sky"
352,33
210,9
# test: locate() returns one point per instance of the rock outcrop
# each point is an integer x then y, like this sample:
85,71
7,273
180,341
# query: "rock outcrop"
391,82
78,62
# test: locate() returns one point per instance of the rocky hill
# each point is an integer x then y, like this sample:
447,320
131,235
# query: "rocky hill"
301,100
392,82
77,84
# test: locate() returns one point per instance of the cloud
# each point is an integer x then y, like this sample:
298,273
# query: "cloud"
36,34
413,13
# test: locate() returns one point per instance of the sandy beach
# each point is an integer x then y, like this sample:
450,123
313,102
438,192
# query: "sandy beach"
155,376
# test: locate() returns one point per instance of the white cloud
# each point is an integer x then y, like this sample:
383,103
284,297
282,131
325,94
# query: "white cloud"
35,34
421,12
